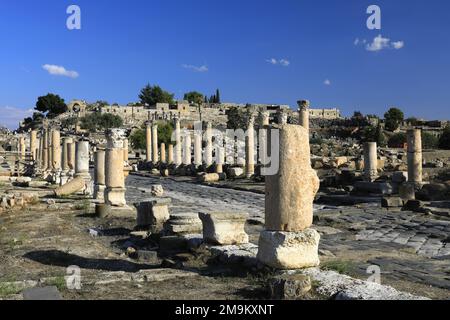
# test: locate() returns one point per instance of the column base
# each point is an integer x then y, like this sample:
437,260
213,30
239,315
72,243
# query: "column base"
99,192
115,197
289,250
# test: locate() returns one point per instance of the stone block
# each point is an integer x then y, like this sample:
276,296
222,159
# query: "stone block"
391,202
407,191
235,172
400,177
224,228
184,223
157,191
153,214
289,250
42,294
290,287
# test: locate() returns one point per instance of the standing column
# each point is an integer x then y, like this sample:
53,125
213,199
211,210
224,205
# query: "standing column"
288,241
82,164
187,154
49,149
39,154
414,138
250,149
65,160
198,139
370,161
148,142
115,178
33,145
220,159
44,138
99,175
178,155
209,146
22,148
265,123
303,112
71,156
282,117
56,150
125,150
163,153
170,154
155,144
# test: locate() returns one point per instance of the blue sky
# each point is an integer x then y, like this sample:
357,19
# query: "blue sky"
255,51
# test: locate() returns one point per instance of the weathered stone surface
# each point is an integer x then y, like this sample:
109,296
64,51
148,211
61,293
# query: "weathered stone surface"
153,214
383,188
400,176
290,192
391,202
157,190
211,177
289,250
290,287
235,172
184,223
42,294
224,228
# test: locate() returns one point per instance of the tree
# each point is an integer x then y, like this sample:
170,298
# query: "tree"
393,118
217,96
52,105
194,97
237,118
429,141
96,121
138,139
374,134
444,140
165,131
152,95
397,140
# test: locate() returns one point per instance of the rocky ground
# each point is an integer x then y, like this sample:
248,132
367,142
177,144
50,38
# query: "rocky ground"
39,243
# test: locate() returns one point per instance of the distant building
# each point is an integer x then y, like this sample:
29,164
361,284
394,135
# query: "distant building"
329,114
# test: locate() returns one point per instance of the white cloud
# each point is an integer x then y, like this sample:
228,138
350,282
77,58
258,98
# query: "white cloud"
327,82
356,42
60,71
380,43
11,116
281,62
196,68
398,45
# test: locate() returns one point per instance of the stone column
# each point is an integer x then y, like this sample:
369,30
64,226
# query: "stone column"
209,146
56,150
99,174
198,139
155,152
265,118
250,149
22,148
370,161
170,154
71,156
177,154
44,138
39,154
414,138
303,112
148,143
163,153
288,241
220,159
65,174
114,173
125,150
282,117
49,149
82,164
187,154
262,138
33,145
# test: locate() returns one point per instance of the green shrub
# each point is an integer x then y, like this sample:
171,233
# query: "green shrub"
429,141
397,140
444,141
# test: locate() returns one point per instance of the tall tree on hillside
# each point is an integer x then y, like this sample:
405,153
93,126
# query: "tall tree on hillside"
194,97
217,96
152,95
52,105
393,118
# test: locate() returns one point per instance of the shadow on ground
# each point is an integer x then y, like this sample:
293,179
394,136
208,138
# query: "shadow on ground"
62,259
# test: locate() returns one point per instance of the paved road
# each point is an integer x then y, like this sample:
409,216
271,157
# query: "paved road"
357,230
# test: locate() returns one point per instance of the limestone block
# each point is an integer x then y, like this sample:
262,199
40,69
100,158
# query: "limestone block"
391,202
184,223
224,228
153,214
289,250
157,191
407,191
235,172
75,185
212,177
400,177
290,286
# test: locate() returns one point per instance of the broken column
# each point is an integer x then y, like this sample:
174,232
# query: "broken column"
187,155
303,112
209,146
170,154
220,159
65,173
125,150
177,159
414,138
82,165
288,241
148,142
198,148
114,173
250,149
56,151
370,161
163,154
155,153
33,144
99,175
22,148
